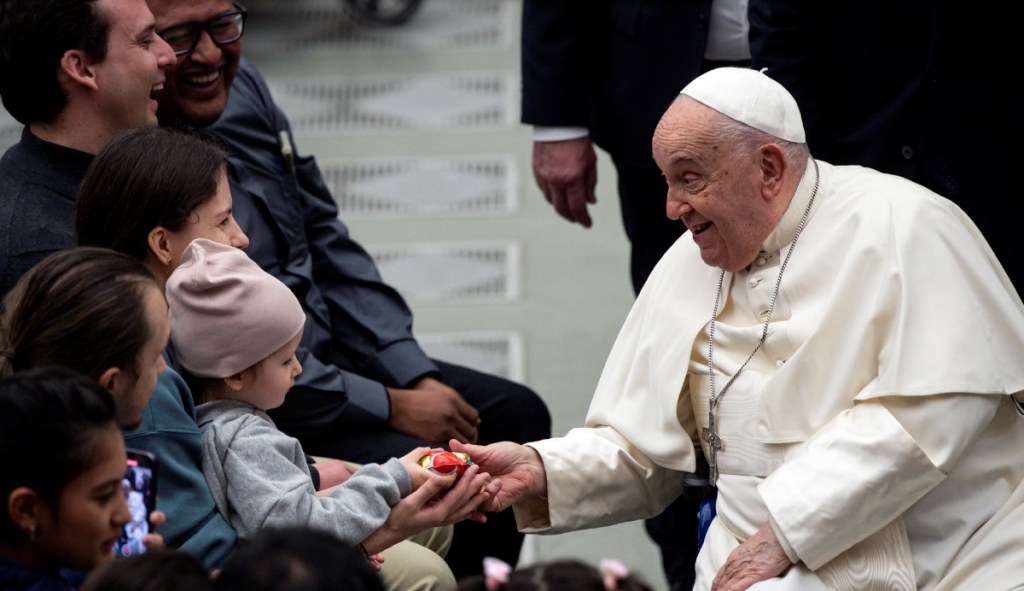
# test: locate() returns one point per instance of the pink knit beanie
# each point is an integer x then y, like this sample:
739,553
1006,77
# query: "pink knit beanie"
226,313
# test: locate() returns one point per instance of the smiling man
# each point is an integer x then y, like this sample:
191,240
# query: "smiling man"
75,72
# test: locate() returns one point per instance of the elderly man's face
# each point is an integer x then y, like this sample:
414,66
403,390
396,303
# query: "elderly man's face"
712,188
196,90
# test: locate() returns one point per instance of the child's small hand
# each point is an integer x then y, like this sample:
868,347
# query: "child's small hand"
417,473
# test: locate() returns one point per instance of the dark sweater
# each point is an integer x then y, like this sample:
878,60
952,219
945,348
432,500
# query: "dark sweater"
37,203
18,577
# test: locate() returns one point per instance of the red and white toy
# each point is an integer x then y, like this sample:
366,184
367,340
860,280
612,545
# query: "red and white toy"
446,462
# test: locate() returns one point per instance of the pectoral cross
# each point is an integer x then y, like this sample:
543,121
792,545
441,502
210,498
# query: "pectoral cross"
714,444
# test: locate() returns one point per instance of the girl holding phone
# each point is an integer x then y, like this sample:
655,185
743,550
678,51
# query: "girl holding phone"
64,459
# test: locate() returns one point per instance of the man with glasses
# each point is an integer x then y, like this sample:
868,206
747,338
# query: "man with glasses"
368,391
76,73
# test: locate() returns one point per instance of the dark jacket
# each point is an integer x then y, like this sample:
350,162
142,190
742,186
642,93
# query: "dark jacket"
18,577
612,66
358,335
901,87
37,203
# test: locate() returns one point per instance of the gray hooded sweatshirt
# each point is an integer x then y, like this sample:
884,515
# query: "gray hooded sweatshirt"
259,478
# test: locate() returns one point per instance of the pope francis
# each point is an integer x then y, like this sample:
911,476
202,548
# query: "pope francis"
840,344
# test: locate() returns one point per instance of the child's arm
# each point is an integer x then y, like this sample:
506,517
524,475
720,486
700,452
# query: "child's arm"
424,509
261,477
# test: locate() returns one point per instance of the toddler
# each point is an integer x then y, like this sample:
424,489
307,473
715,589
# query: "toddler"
235,328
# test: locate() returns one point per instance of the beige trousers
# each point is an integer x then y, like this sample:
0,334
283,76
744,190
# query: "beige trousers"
417,564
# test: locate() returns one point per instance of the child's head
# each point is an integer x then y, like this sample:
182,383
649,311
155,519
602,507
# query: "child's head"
234,326
297,559
63,460
557,575
95,311
162,570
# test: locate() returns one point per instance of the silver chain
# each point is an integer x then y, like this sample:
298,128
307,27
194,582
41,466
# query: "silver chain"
771,306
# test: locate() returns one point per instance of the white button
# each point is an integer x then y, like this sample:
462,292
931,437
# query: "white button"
760,261
753,282
779,363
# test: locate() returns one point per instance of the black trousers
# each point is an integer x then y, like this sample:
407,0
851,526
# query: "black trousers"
508,412
642,192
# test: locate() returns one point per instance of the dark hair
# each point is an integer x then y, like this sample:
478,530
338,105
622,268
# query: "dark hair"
143,179
48,420
557,575
162,570
34,36
82,308
297,559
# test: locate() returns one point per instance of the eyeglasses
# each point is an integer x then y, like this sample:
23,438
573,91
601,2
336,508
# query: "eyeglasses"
223,29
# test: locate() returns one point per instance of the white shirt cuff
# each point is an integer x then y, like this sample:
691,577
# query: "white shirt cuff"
558,134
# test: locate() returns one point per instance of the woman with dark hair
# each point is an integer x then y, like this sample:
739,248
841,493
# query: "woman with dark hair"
151,191
148,194
95,311
63,458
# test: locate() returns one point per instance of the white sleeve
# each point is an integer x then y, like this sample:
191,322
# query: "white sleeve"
867,467
596,478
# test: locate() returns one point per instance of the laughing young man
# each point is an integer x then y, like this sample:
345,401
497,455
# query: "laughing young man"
74,72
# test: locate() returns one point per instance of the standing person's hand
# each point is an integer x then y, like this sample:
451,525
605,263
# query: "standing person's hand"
433,411
518,468
758,559
566,172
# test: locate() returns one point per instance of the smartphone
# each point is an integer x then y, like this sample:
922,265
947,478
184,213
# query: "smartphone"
140,492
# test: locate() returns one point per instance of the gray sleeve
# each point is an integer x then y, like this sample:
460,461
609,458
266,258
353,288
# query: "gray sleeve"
268,484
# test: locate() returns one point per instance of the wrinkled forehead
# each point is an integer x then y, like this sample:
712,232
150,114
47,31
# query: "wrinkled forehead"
687,121
169,13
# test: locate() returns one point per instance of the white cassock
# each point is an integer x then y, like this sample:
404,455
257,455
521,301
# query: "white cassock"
876,428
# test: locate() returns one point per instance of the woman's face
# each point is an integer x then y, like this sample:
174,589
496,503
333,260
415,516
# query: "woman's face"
211,220
132,395
80,531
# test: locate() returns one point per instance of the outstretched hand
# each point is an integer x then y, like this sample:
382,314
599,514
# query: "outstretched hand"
518,468
431,506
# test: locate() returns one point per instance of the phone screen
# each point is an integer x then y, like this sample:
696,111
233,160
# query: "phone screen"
139,485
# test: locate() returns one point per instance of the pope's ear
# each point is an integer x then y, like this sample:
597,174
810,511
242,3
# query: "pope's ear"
773,168
77,67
